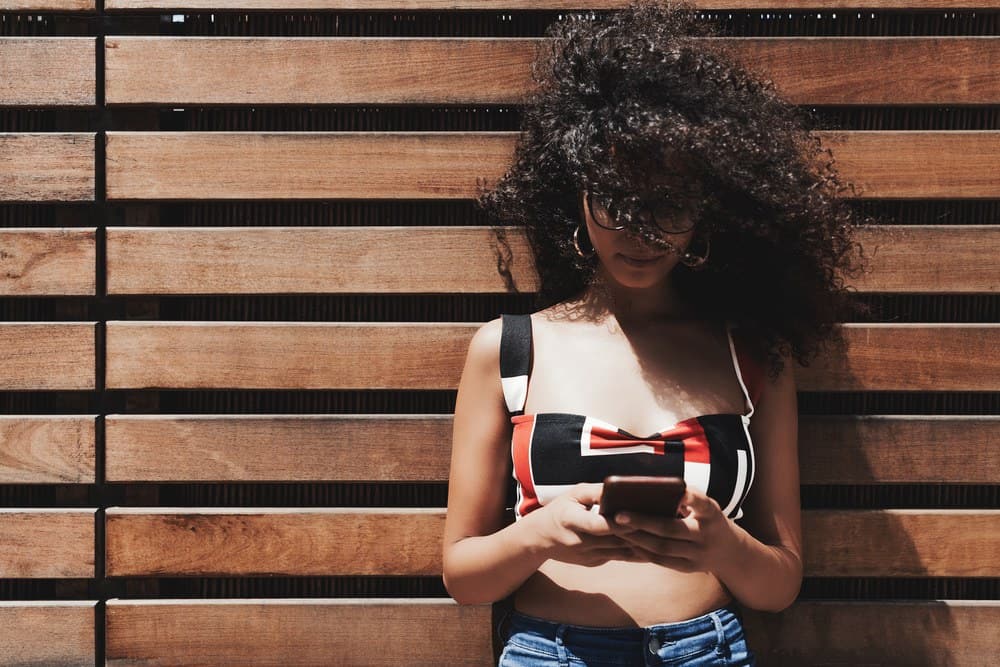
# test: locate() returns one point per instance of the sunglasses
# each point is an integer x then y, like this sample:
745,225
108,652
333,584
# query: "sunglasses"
670,217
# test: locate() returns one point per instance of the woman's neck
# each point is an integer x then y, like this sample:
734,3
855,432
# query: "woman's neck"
636,306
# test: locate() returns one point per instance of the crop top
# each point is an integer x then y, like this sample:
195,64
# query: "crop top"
551,451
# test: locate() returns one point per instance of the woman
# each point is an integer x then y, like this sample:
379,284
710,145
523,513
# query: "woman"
690,248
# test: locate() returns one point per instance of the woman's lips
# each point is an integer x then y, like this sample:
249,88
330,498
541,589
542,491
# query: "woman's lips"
633,260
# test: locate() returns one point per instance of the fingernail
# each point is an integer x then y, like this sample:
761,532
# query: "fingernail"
621,517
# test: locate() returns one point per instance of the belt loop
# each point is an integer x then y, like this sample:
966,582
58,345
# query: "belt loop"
561,645
721,646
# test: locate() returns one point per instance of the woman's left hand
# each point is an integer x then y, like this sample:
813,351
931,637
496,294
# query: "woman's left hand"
700,540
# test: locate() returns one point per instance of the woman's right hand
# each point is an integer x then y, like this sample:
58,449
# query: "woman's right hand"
567,530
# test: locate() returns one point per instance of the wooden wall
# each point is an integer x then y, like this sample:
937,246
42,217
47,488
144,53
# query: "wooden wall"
240,265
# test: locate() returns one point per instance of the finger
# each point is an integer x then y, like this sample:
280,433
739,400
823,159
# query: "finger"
586,493
672,562
662,546
700,504
657,525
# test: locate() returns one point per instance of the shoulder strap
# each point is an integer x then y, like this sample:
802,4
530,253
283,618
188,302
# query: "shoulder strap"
515,360
749,370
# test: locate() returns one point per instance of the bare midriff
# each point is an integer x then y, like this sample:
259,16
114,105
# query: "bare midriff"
618,594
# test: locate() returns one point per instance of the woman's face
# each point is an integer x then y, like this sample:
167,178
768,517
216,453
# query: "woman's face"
628,259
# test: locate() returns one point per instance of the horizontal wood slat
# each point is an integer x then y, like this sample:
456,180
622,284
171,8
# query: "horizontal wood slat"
899,449
338,70
298,632
47,166
273,541
47,355
416,448
341,541
48,71
446,165
937,632
283,260
48,261
417,5
47,449
308,355
48,5
47,543
50,633
280,448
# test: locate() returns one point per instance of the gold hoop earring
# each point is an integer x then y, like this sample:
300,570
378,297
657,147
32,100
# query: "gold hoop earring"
576,245
695,262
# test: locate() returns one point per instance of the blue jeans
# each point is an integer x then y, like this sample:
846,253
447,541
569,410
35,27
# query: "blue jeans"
715,638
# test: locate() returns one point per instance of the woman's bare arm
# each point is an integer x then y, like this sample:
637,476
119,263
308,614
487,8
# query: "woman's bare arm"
483,560
765,571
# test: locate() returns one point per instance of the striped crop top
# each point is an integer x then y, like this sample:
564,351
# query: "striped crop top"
551,451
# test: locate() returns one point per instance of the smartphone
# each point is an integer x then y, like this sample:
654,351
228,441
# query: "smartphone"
649,495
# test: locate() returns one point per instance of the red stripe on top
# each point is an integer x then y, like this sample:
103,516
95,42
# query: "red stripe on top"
521,454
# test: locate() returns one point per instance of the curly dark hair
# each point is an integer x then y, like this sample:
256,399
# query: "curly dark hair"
621,93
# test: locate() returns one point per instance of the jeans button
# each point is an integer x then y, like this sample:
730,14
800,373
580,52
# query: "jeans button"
654,645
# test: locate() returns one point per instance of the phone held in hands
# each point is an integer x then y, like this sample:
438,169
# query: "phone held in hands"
649,495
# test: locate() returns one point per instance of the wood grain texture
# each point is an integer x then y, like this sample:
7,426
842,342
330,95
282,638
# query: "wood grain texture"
901,543
273,541
338,70
923,258
48,5
951,449
283,260
302,165
280,448
47,543
306,355
47,355
417,5
300,355
347,631
416,448
48,261
342,541
51,633
447,165
47,449
47,166
48,71
909,357
934,632
317,70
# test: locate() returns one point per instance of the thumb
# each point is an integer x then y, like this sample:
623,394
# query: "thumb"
587,493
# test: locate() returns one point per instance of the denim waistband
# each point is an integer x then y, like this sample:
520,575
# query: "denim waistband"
709,621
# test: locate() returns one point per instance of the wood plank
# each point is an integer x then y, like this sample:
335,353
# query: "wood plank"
899,449
909,357
298,448
289,260
344,541
48,5
427,355
419,5
303,355
351,70
48,71
56,633
922,258
446,165
48,261
50,166
47,543
281,260
297,632
901,543
280,448
273,541
935,632
39,356
47,449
